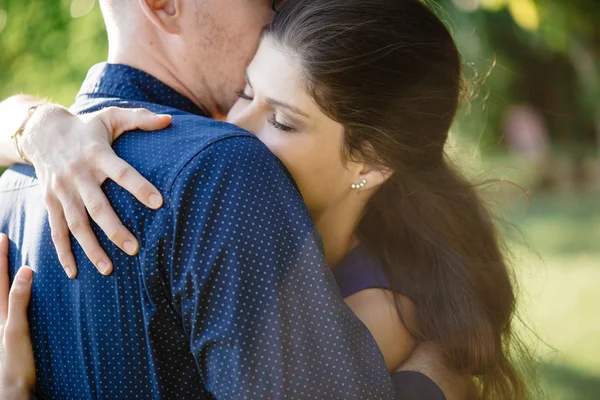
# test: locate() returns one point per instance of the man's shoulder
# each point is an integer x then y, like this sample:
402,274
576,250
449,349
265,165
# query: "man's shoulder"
193,142
196,133
161,155
192,130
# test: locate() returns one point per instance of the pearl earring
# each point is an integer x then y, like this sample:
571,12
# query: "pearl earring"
359,185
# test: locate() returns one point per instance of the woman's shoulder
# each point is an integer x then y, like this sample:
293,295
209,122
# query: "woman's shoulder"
391,316
377,309
419,369
364,283
386,313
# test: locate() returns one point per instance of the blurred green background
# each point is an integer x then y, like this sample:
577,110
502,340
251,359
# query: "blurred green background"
531,114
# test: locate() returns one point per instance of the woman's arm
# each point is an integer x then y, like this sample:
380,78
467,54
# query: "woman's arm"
376,308
72,157
419,368
13,111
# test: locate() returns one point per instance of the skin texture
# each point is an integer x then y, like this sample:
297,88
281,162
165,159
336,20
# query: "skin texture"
173,39
376,309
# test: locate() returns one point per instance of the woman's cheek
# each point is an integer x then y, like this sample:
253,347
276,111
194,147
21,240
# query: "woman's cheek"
292,157
273,142
302,160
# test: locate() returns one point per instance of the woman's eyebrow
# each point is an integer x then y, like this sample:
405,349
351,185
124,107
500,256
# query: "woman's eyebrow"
277,102
288,106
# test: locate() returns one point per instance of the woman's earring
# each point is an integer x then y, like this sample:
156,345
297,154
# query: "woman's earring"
359,185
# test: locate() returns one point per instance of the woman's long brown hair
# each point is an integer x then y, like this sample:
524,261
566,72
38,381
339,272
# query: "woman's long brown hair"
390,73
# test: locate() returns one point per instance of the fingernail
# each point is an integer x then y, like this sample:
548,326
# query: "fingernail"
155,200
103,267
24,275
130,248
163,116
70,271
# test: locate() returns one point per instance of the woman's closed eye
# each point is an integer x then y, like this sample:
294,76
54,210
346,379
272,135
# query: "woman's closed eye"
279,126
272,119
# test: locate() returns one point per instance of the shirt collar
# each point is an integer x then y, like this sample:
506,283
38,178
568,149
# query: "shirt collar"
128,83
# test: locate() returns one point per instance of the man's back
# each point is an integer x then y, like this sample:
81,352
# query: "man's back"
229,293
92,335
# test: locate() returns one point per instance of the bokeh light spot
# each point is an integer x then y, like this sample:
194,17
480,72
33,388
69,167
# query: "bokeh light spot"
493,5
467,5
3,19
80,8
525,13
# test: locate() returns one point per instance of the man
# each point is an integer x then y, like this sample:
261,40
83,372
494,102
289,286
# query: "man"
229,296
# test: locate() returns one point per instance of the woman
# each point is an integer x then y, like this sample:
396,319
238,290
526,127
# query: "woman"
357,104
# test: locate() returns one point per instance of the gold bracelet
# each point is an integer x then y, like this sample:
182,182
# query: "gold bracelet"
17,135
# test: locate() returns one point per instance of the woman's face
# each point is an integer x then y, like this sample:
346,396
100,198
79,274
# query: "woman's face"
276,108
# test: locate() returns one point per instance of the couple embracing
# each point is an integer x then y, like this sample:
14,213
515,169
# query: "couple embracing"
288,228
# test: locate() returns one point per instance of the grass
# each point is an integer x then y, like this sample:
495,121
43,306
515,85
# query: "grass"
559,272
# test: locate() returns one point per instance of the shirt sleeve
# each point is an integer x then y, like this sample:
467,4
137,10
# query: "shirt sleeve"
246,273
412,385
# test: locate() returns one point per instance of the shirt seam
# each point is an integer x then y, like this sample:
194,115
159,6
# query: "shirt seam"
159,220
199,152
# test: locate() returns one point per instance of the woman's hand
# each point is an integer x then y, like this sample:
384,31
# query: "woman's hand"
17,369
72,156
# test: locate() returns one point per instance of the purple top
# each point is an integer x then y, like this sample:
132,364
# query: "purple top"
361,270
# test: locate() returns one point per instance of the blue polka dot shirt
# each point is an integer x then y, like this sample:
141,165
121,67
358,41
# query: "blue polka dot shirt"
229,296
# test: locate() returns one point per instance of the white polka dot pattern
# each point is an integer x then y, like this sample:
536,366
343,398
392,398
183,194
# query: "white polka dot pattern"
229,297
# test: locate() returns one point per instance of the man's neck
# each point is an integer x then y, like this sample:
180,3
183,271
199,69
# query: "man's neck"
162,71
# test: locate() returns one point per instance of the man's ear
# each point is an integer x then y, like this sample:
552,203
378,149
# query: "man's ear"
165,14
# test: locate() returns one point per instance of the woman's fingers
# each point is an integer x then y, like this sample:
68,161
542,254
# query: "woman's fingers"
129,179
103,214
60,235
79,225
68,195
17,326
16,353
120,120
4,280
